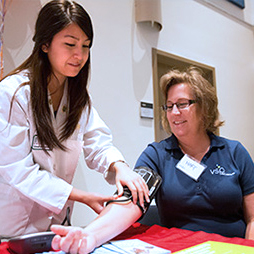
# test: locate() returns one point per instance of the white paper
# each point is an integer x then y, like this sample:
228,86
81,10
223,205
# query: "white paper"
134,246
108,248
137,246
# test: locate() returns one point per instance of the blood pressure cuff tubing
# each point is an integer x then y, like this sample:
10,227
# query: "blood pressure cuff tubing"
153,181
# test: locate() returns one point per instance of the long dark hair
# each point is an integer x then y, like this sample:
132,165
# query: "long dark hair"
53,17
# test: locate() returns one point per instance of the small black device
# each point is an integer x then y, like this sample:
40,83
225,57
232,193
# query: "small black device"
31,243
153,181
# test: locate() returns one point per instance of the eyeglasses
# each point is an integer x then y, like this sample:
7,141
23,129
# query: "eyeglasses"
181,104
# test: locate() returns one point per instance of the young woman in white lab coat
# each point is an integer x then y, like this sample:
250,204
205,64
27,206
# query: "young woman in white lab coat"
46,119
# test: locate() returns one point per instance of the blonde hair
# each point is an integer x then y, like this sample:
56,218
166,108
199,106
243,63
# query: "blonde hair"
204,94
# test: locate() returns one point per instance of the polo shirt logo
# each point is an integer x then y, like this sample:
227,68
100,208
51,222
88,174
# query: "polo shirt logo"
219,170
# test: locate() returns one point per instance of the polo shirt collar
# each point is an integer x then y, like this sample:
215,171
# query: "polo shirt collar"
172,142
216,141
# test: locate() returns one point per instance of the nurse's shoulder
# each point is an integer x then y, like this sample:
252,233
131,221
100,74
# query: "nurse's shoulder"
15,84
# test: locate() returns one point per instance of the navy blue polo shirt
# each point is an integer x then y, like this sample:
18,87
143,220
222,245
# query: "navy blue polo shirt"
213,203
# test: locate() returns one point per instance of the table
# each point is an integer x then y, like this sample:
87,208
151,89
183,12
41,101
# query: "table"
176,239
173,239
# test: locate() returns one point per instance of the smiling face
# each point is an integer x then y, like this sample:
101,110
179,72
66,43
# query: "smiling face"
185,122
68,52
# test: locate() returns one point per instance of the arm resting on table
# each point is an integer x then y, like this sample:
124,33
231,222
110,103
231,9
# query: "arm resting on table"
113,220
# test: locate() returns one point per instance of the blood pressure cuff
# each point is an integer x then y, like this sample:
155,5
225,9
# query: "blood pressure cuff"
153,181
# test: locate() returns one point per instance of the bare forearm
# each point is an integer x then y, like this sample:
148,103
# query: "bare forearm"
78,195
110,222
248,208
250,231
93,200
113,220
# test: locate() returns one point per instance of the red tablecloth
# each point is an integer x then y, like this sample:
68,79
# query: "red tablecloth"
173,239
176,239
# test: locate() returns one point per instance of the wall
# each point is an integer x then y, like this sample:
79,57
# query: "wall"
122,68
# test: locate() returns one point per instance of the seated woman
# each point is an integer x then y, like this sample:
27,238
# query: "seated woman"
208,180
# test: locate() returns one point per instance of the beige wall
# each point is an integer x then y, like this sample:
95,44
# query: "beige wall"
122,67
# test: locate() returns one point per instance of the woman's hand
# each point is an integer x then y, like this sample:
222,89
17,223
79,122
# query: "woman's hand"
96,201
72,240
93,200
127,177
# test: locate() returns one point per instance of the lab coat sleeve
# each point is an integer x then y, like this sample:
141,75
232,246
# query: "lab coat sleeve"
98,146
17,167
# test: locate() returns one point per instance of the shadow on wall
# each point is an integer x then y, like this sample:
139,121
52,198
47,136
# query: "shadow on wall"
144,38
18,31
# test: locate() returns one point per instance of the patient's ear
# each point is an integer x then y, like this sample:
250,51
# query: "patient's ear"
44,48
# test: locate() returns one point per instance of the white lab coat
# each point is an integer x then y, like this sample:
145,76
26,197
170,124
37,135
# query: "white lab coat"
35,187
